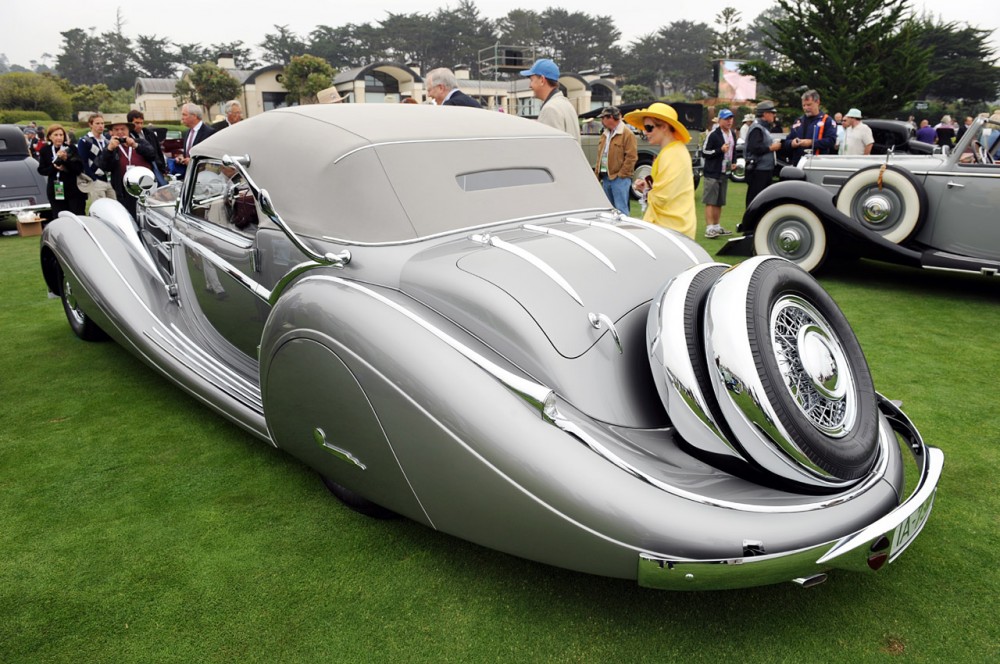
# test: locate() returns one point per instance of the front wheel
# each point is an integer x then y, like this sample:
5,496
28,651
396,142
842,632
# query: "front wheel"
79,322
792,232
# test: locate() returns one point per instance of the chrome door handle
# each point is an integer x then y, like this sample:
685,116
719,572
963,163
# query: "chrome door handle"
955,185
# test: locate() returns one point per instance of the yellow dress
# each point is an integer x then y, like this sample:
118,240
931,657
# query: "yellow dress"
671,200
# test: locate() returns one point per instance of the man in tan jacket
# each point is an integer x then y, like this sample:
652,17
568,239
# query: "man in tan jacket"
617,153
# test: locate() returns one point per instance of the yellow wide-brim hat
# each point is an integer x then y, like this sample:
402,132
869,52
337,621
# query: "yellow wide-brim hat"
663,112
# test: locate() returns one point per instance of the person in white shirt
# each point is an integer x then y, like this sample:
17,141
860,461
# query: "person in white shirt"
858,137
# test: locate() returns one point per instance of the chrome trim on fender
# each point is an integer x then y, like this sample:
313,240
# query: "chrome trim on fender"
176,344
670,235
533,392
851,552
320,437
527,256
117,217
614,229
559,419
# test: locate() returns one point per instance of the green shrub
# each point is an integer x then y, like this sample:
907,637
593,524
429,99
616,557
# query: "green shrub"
18,116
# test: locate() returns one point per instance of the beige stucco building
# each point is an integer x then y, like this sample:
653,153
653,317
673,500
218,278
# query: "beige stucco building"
380,82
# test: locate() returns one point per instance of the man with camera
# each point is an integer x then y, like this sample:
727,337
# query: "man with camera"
122,154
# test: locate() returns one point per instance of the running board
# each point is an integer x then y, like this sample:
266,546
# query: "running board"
942,260
172,341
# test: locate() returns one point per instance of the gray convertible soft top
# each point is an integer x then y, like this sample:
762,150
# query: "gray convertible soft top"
394,172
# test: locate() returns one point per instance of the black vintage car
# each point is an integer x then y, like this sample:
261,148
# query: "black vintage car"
21,186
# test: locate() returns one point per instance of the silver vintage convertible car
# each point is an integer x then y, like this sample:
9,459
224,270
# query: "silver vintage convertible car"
936,210
437,310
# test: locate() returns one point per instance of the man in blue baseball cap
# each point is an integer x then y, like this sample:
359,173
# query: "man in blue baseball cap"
557,111
718,153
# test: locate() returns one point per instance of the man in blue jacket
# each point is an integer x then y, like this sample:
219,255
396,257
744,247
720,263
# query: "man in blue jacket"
813,130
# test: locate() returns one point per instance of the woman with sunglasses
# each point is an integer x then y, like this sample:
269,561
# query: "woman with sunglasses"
670,197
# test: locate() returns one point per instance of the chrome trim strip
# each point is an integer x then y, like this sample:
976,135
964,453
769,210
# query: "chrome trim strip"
371,146
583,244
114,215
204,372
235,239
670,235
528,257
930,473
984,272
185,343
456,231
153,360
535,392
577,431
614,229
267,207
227,267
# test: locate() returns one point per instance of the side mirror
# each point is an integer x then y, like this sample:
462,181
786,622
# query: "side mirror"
138,180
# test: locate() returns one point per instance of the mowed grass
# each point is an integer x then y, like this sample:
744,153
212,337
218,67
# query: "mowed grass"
138,526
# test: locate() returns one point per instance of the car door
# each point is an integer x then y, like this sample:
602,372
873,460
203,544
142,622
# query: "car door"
215,260
964,196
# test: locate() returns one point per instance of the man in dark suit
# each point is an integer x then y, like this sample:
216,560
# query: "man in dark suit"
140,130
234,113
191,117
442,87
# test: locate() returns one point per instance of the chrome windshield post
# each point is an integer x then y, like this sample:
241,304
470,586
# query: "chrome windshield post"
240,163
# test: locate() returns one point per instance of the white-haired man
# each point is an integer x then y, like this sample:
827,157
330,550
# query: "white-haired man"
191,117
234,113
442,87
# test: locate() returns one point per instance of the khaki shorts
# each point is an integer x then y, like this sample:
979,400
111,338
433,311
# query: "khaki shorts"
714,191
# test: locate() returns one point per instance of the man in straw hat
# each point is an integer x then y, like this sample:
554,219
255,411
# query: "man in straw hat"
123,153
670,197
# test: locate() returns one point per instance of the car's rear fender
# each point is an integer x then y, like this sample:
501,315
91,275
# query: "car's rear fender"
451,436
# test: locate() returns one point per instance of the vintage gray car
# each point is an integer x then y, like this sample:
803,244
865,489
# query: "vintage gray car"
21,186
437,310
936,210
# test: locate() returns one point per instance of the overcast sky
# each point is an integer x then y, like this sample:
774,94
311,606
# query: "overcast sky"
32,30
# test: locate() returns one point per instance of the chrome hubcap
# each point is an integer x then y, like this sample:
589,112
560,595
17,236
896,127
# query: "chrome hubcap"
876,209
71,304
812,363
789,239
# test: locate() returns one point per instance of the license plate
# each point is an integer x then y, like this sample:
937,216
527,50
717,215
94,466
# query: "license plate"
909,529
19,203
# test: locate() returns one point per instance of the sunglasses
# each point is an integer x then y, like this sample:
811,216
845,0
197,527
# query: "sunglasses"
649,128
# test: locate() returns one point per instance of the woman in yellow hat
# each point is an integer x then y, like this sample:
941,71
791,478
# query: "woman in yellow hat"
670,201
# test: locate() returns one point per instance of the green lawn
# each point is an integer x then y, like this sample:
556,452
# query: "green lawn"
137,526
